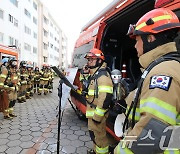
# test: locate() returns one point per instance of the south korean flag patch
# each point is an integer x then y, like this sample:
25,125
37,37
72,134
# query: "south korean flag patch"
160,81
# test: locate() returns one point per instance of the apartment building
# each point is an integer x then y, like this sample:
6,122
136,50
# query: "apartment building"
29,26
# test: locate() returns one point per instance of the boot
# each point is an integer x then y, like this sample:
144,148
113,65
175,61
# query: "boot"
8,117
91,151
12,115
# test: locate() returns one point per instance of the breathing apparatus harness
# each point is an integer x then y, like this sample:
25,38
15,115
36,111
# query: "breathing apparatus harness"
171,56
98,73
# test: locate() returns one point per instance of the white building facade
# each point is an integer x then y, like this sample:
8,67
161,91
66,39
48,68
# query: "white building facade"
28,25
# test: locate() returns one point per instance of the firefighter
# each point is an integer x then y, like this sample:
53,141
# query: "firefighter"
23,81
155,104
99,96
43,84
12,85
4,103
51,78
36,79
30,80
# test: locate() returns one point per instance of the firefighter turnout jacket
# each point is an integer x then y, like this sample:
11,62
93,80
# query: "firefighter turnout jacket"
99,98
158,105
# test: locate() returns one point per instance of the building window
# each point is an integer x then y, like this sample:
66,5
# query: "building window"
45,46
1,14
27,47
35,5
11,40
34,50
26,12
34,20
1,37
27,30
45,33
15,22
10,18
16,42
45,20
15,2
35,35
45,59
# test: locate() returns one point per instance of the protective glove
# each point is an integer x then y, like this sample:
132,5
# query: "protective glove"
22,77
120,106
10,84
127,86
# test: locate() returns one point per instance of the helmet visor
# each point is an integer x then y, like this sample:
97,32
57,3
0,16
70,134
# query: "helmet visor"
14,63
131,30
90,55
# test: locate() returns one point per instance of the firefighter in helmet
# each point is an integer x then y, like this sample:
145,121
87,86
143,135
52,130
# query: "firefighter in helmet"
99,96
37,76
30,80
4,105
43,84
12,85
23,80
155,104
51,78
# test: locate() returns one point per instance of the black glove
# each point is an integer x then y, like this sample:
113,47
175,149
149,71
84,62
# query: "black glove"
120,106
30,77
10,84
22,77
127,86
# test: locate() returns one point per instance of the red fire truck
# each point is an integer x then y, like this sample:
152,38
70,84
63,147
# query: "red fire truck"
8,52
107,31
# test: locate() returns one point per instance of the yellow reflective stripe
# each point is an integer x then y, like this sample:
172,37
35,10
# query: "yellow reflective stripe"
123,150
45,78
102,150
89,113
79,91
15,78
24,82
159,108
155,19
100,111
90,92
12,88
175,151
107,89
1,84
3,76
137,114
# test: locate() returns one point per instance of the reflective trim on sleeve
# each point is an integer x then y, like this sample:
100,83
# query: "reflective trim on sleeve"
91,92
89,113
100,111
160,109
1,84
175,151
15,78
102,150
121,150
3,76
107,89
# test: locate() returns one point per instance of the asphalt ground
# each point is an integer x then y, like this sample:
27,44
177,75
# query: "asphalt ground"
35,129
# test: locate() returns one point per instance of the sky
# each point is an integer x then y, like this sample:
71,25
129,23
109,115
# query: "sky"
72,15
